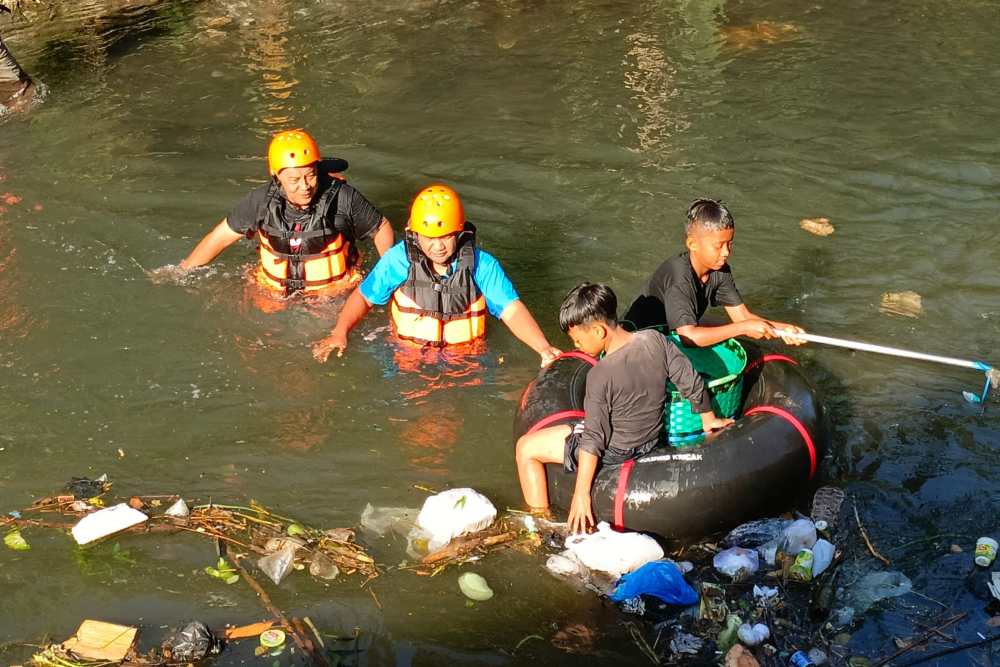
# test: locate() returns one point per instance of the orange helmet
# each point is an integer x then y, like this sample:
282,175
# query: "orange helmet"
436,211
291,148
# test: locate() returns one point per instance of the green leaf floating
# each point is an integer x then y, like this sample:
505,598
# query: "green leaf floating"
14,540
295,529
223,571
475,587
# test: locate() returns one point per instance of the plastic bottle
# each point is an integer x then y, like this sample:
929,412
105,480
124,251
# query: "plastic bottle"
822,557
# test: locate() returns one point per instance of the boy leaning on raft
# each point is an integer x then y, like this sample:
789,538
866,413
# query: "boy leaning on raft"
684,286
626,393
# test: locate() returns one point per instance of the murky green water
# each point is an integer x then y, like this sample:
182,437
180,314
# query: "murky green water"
577,133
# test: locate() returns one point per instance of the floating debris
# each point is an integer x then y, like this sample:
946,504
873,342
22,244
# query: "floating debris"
817,226
905,304
759,33
474,587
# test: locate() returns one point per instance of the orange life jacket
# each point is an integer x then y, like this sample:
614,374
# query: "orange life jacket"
437,310
307,258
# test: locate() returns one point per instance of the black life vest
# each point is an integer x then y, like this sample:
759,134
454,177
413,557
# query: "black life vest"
437,310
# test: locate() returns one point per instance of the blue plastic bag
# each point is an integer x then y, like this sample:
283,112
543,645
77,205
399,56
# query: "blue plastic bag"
659,578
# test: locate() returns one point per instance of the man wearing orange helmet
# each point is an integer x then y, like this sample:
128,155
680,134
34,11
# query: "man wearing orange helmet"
439,283
307,220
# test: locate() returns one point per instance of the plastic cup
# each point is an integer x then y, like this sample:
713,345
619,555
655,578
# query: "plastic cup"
986,551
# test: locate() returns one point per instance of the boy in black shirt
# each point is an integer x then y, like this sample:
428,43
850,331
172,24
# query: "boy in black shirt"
684,286
626,392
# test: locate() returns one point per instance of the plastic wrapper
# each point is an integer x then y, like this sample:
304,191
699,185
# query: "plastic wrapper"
191,643
615,553
736,562
661,579
277,565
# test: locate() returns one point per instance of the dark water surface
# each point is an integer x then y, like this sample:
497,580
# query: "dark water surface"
576,132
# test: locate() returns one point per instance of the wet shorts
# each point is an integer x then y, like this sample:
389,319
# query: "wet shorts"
612,455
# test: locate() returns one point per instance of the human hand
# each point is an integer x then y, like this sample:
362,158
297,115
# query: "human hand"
781,327
581,516
709,422
549,355
335,341
171,273
758,329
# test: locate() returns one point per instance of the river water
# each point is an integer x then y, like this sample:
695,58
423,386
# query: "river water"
577,133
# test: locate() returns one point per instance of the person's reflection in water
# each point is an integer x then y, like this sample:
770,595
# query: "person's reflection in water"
429,441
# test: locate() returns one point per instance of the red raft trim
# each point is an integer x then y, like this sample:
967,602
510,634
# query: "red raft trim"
554,417
623,474
794,421
770,357
574,354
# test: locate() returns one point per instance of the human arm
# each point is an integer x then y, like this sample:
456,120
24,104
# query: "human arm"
581,514
221,237
742,315
519,320
354,310
384,237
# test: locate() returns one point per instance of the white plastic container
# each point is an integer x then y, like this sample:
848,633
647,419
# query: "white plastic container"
822,557
615,553
106,522
454,512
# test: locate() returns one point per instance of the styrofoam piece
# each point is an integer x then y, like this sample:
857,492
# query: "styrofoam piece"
455,512
106,522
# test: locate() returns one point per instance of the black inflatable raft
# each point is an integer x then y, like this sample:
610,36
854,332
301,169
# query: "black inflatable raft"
754,466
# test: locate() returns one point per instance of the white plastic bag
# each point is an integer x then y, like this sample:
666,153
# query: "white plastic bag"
752,635
454,512
613,552
798,536
737,562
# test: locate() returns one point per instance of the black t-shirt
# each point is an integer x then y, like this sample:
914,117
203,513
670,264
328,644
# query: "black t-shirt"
676,297
362,221
627,389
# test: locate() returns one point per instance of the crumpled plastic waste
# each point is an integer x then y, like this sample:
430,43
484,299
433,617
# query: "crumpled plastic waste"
736,562
14,540
380,520
277,565
682,642
564,565
84,487
876,586
192,643
799,535
661,579
634,606
178,510
322,567
756,533
752,635
765,592
730,633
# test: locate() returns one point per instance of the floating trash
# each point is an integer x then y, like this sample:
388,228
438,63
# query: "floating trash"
817,226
